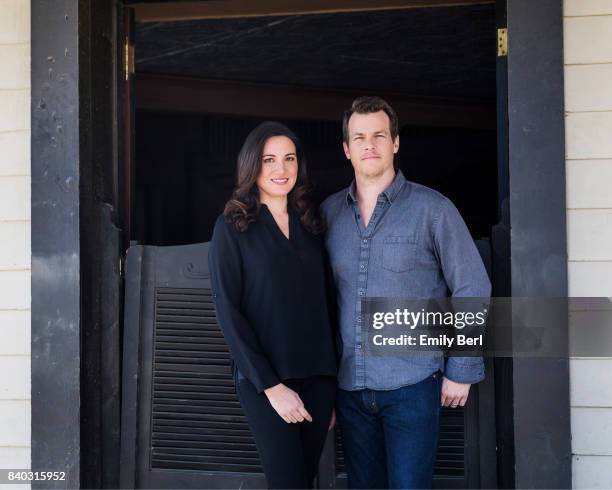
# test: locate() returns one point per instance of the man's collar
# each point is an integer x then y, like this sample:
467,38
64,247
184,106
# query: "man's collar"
351,194
390,192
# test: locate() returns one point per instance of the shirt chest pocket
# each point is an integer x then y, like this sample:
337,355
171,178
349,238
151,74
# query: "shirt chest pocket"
399,253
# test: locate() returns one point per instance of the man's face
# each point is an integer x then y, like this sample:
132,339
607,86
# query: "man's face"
370,146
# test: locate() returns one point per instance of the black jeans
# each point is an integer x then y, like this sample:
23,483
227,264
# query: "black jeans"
289,453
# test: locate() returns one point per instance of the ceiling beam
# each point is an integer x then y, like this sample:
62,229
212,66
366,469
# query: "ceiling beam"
222,9
166,93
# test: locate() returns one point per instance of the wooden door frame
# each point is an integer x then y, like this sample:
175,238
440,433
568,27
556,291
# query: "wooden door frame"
224,9
75,209
183,94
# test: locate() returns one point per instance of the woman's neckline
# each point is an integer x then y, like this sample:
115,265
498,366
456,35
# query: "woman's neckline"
275,224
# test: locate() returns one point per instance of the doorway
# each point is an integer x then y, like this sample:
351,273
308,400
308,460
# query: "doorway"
201,85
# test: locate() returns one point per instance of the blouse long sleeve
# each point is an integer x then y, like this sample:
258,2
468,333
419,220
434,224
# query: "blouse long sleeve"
225,264
332,307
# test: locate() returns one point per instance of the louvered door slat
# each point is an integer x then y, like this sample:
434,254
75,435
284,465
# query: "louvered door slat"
186,333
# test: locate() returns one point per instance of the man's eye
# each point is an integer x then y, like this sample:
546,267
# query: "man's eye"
358,138
380,135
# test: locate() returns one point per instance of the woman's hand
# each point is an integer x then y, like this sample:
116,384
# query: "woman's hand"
287,404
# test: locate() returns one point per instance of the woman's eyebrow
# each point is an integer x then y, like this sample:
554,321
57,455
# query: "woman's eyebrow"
290,154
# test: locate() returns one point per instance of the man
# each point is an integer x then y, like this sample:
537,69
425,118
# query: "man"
389,237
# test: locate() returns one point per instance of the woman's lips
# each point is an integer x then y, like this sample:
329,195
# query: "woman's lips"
280,181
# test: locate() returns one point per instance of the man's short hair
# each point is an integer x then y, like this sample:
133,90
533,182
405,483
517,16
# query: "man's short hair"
368,105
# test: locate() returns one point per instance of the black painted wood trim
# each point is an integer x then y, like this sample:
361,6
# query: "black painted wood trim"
538,241
56,254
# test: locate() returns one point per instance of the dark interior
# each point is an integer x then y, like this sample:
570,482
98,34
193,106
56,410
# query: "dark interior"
185,162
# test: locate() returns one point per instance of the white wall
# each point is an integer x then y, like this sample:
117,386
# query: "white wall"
15,248
588,105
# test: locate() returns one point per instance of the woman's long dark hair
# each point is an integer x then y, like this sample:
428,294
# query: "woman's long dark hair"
244,205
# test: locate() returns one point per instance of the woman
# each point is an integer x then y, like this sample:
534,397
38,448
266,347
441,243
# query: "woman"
268,277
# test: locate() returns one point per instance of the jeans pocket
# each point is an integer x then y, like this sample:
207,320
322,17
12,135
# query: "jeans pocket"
437,377
399,253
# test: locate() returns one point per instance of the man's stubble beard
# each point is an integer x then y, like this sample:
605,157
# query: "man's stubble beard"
372,174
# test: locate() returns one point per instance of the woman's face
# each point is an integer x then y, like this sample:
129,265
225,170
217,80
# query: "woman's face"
279,168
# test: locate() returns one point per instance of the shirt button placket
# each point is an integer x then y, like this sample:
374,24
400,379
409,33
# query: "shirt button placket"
364,258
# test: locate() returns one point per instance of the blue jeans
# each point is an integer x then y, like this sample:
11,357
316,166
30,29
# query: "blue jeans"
390,438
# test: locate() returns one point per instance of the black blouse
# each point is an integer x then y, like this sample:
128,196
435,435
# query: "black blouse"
271,299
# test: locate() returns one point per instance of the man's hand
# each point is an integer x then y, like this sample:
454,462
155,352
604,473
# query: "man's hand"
287,404
454,394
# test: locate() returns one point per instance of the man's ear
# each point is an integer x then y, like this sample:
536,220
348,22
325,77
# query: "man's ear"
396,144
347,153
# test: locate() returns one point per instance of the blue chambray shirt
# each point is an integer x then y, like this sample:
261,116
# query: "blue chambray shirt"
416,245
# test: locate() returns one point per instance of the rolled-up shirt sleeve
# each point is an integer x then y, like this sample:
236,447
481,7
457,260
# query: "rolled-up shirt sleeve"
225,265
465,275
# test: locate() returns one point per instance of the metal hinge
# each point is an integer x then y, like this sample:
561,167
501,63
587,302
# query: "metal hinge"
128,58
121,266
502,42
